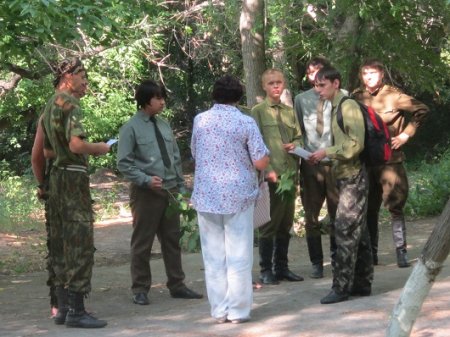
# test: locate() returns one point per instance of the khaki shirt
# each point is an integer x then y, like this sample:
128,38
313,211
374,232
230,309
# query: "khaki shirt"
266,116
349,144
391,104
62,120
139,157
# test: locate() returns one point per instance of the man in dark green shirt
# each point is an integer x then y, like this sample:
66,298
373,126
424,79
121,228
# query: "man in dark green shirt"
148,156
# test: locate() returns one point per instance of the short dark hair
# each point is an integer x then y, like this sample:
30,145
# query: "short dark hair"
372,63
329,73
227,89
146,91
318,61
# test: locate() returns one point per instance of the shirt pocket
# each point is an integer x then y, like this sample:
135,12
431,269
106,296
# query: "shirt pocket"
270,129
146,147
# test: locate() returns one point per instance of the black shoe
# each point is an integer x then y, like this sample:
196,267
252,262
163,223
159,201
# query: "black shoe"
141,299
361,291
334,297
185,293
60,317
317,271
83,320
402,258
267,277
288,275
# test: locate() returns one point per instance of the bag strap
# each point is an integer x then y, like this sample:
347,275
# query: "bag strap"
339,118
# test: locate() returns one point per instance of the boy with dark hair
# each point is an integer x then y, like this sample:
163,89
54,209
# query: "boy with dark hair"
281,133
148,156
317,181
353,267
388,183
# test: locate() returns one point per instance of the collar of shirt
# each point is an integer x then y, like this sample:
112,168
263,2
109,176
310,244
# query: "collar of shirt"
337,98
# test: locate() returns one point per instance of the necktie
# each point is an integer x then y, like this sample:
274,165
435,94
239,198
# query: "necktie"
161,143
319,125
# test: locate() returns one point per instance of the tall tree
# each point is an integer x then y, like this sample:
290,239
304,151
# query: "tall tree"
253,50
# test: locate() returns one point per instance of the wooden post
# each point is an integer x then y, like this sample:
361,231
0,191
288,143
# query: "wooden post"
422,278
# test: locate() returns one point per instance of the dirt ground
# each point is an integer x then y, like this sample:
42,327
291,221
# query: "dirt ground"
289,309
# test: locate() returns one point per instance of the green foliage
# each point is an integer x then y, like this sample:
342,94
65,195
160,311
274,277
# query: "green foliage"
190,236
429,188
287,186
19,207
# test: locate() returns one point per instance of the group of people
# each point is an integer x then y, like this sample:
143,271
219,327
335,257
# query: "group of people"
230,149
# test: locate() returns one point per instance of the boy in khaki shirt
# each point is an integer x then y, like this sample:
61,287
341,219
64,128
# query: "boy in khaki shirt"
353,265
281,133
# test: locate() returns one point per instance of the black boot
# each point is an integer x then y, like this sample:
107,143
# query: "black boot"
315,255
265,261
77,317
280,258
402,258
63,305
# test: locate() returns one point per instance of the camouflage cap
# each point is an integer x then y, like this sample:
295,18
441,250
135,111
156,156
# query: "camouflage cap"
67,66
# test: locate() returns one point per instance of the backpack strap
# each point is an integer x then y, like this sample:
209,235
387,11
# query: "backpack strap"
339,118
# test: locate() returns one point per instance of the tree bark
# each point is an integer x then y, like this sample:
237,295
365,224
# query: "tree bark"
422,278
253,50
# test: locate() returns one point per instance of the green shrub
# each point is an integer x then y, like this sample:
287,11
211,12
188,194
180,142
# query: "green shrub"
429,187
19,207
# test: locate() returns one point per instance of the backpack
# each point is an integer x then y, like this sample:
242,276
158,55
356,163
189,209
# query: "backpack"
377,141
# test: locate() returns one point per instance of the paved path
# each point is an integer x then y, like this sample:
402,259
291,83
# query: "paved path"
289,309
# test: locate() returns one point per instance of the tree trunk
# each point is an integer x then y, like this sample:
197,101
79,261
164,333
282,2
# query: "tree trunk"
422,278
253,52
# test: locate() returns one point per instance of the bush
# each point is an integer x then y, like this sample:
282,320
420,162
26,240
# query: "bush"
429,187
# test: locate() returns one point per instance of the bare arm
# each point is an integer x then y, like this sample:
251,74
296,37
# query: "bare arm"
37,154
80,146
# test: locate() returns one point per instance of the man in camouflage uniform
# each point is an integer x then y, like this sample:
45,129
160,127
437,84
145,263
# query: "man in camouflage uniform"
70,206
389,183
353,265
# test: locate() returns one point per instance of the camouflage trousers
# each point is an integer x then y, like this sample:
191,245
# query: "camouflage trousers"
49,264
71,229
353,264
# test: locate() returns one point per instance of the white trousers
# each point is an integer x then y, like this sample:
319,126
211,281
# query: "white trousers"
227,248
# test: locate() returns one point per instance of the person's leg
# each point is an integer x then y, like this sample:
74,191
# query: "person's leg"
146,209
373,208
266,238
313,196
239,262
395,193
78,234
332,198
212,238
350,216
169,236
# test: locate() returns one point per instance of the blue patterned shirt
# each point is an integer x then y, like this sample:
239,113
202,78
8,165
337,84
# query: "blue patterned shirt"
224,144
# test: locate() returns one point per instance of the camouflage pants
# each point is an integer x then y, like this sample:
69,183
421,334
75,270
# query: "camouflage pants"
353,264
71,229
49,264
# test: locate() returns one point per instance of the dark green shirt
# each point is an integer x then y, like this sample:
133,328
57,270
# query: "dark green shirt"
139,157
266,116
62,120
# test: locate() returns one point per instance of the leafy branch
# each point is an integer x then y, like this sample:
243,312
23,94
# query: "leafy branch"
286,185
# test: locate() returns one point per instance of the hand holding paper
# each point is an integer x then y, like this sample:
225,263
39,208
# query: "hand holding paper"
111,142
